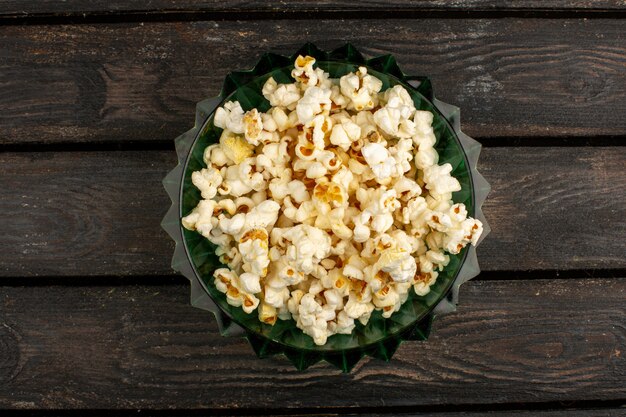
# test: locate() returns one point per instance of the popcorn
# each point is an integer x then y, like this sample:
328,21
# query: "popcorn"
303,70
214,155
233,147
230,117
311,140
398,263
394,117
330,205
314,101
201,218
227,282
253,126
361,88
344,134
382,164
423,281
207,180
267,313
439,180
309,245
253,246
263,215
280,95
250,283
311,319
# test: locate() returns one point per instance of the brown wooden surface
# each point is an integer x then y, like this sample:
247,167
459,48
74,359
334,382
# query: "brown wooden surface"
569,412
145,347
140,82
20,8
92,319
98,213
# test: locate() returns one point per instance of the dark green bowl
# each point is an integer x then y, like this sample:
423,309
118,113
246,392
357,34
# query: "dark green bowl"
380,337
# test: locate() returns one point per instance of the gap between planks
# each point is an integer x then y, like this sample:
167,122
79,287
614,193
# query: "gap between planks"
540,409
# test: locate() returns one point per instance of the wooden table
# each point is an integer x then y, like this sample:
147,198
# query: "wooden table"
92,94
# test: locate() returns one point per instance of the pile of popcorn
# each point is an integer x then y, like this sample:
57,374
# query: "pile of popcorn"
329,206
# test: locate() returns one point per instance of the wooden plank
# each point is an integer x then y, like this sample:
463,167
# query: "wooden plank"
568,411
20,8
140,82
87,213
146,348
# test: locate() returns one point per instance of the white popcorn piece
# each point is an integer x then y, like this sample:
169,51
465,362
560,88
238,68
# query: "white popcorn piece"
298,191
394,117
462,230
303,70
311,140
361,88
406,189
425,157
253,126
302,214
232,225
329,160
314,101
424,135
345,178
230,117
344,134
214,156
338,100
268,123
402,154
423,281
226,282
254,249
311,320
433,260
233,183
248,174
263,215
439,180
276,297
343,324
278,185
356,309
207,180
383,165
290,276
280,95
201,218
398,263
250,283
328,196
229,256
309,245
267,313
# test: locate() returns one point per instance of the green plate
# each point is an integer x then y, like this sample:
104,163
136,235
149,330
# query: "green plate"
380,337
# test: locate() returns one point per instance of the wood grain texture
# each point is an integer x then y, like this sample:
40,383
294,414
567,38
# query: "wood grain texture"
564,411
20,8
145,347
96,212
83,213
140,82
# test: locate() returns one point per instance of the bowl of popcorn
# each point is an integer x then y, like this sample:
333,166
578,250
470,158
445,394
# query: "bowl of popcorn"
326,206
